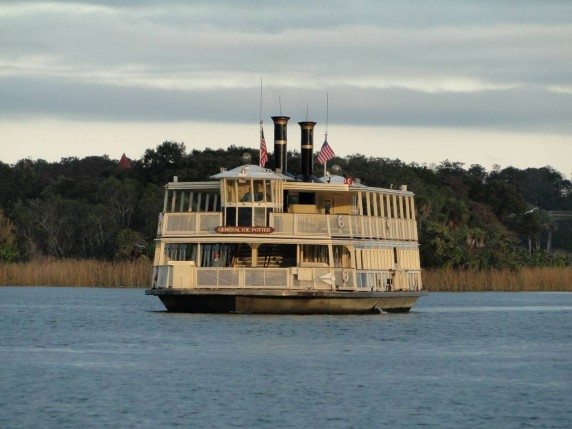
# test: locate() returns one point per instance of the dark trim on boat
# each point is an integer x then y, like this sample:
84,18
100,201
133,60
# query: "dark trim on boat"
283,302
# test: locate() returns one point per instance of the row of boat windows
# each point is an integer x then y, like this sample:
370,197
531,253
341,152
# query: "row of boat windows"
243,190
227,255
246,216
371,204
386,205
192,201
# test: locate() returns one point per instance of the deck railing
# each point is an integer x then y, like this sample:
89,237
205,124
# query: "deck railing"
343,226
189,223
291,224
324,279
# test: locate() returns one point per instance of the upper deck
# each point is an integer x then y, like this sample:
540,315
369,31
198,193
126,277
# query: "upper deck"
255,197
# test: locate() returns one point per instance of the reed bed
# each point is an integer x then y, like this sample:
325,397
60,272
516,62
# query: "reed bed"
74,272
137,274
521,280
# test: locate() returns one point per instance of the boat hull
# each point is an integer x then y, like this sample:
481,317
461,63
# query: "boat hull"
291,302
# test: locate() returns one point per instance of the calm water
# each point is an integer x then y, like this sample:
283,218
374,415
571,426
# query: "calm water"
100,357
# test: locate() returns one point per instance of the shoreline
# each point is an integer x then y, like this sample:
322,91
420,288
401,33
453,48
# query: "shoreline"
137,275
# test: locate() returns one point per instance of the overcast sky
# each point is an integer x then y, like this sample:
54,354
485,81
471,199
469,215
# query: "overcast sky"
478,82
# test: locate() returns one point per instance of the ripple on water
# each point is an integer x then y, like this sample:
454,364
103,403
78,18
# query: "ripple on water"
109,357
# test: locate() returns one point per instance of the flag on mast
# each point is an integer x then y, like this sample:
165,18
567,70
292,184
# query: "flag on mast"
326,153
263,151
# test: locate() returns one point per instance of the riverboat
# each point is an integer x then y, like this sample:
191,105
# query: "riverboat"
259,240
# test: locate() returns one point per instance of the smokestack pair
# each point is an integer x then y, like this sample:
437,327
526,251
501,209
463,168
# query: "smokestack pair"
307,147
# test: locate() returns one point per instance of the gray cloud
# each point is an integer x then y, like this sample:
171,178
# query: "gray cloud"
432,63
522,108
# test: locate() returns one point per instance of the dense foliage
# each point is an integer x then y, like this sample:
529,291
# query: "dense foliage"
95,207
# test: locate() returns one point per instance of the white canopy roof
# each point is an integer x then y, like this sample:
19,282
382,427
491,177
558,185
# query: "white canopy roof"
250,172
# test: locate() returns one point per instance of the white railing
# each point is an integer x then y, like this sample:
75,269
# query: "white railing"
387,281
297,278
292,224
247,278
343,226
162,277
190,223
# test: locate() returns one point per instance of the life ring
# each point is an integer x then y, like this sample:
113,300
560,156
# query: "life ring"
340,221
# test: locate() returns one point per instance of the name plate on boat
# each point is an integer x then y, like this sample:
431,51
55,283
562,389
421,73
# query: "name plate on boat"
244,229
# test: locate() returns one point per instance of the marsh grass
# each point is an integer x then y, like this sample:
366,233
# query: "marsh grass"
74,272
137,274
522,280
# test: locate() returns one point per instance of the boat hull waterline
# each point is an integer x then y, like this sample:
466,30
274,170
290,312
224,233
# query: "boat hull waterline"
280,302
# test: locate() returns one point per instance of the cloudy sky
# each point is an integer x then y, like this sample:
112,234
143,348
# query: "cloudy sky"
477,81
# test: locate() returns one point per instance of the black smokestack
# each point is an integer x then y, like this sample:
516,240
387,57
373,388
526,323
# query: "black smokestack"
280,142
307,151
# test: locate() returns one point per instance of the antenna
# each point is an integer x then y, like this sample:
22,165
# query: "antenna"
260,115
327,111
326,133
306,113
262,153
280,104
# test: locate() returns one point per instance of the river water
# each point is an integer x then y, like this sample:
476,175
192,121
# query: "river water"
112,357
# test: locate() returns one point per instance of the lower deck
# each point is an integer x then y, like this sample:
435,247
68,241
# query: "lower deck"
184,275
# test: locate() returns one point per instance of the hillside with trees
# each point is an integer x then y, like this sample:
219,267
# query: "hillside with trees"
97,207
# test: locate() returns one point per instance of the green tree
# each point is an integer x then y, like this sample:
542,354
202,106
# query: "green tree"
8,250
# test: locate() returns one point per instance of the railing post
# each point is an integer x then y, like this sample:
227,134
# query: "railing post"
295,222
351,226
164,223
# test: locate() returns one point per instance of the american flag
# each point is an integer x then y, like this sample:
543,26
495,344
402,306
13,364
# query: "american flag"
263,151
326,153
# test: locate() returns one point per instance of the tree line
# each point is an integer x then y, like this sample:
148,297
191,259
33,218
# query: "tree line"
97,207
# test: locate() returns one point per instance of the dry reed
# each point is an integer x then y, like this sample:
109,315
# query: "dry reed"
522,280
74,272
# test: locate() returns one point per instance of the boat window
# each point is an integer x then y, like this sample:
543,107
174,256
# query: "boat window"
259,217
277,255
244,190
217,255
307,198
269,194
364,203
180,252
355,208
244,216
342,257
230,216
231,191
314,253
292,199
199,202
373,204
258,190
